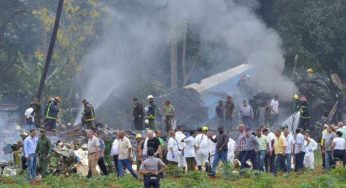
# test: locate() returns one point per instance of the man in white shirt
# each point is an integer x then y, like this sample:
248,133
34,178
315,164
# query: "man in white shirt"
29,117
179,135
125,155
202,147
29,145
189,151
115,152
289,149
299,150
274,104
93,152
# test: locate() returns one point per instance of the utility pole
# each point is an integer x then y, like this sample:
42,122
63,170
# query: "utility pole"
37,102
174,60
50,50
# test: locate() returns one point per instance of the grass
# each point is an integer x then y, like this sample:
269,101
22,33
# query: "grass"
176,179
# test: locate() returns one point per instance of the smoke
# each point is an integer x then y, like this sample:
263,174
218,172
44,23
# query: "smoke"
137,34
10,134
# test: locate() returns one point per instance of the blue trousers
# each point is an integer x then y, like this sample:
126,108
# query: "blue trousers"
251,154
299,158
260,159
289,161
127,163
279,163
151,182
328,160
219,155
32,166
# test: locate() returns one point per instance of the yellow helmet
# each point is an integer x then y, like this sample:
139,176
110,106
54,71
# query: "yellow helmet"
138,135
296,97
204,128
310,71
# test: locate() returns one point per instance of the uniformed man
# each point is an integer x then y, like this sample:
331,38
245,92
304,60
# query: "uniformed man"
88,116
295,103
151,113
52,113
43,152
304,120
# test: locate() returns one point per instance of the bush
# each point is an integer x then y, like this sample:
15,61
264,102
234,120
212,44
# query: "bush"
264,180
339,173
326,181
174,171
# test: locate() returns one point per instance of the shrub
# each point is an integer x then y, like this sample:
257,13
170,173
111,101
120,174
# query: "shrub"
326,181
174,171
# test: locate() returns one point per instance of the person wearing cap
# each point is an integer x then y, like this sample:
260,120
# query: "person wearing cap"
151,112
137,114
229,112
43,152
139,150
108,148
169,113
295,103
29,145
251,146
310,73
51,114
202,146
88,116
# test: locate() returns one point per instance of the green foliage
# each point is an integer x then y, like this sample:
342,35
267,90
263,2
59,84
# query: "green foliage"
339,173
174,171
326,181
265,180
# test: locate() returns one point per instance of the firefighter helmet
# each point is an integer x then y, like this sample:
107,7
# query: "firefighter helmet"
57,99
150,97
310,71
138,135
296,97
204,128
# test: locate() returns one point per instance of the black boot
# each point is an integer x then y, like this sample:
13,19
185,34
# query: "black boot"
199,168
89,174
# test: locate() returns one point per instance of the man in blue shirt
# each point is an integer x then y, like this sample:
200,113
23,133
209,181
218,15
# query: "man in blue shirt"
29,151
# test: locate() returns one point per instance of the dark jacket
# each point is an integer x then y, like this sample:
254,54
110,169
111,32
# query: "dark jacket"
151,113
52,110
138,111
89,112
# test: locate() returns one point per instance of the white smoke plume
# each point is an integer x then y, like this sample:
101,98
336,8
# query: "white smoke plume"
136,32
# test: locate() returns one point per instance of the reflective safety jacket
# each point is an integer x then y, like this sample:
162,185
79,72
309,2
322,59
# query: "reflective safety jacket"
52,111
151,111
89,113
304,112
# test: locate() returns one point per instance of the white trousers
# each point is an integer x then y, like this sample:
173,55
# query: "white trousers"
309,160
201,157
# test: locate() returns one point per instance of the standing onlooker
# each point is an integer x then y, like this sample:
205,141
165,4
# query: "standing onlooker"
310,147
169,113
338,147
152,142
221,149
267,113
202,147
29,117
327,147
289,149
125,155
43,151
139,150
189,151
220,113
101,161
137,114
30,144
263,148
280,149
270,156
274,104
240,143
299,150
229,111
231,149
115,152
173,148
151,168
151,113
93,152
108,148
251,145
324,131
179,135
246,114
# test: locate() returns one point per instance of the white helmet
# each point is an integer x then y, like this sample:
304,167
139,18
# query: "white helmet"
150,97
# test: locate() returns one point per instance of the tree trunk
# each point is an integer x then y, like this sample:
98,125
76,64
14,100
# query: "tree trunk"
174,62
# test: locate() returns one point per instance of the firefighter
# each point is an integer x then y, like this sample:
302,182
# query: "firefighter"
52,113
304,114
296,103
310,73
88,116
151,113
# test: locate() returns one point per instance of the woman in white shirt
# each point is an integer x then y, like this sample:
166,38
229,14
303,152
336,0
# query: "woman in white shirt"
189,151
173,148
338,147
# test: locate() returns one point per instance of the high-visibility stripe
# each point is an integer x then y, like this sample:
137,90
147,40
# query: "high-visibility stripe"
47,114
